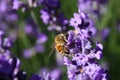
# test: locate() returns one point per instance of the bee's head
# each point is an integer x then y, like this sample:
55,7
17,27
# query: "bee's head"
60,38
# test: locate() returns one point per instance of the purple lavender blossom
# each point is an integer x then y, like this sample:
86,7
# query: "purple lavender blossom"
41,38
5,45
47,75
16,4
6,12
94,7
36,77
82,21
38,46
105,32
28,29
55,21
51,16
82,64
9,67
28,53
32,30
3,6
7,17
52,4
45,16
9,70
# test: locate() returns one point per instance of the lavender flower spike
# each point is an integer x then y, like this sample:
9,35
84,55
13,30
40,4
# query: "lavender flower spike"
9,67
45,75
5,44
83,64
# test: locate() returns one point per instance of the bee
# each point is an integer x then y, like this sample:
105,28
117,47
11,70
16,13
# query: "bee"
60,44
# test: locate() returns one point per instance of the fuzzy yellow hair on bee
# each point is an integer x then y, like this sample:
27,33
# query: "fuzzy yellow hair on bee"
60,44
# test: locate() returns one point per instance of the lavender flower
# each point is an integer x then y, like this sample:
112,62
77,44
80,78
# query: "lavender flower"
94,7
9,67
45,75
28,53
7,18
51,16
35,77
105,32
41,38
17,4
82,21
6,13
5,45
83,63
32,30
9,70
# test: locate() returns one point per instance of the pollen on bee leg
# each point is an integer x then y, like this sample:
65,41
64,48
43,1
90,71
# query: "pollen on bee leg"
59,48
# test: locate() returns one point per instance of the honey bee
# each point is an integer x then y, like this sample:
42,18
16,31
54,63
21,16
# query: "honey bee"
60,44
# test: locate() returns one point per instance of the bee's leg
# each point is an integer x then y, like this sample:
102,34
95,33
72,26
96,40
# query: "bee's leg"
65,37
66,51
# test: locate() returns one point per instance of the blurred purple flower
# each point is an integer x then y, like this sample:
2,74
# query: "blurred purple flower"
28,53
94,7
28,29
52,4
9,67
32,30
12,16
45,16
5,45
3,5
104,33
41,38
16,4
10,70
46,75
36,77
51,16
39,48
59,59
8,17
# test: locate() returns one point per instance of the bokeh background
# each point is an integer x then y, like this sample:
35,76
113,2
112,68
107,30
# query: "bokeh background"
33,42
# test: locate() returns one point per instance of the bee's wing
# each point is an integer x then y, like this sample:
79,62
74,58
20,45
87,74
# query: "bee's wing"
51,50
